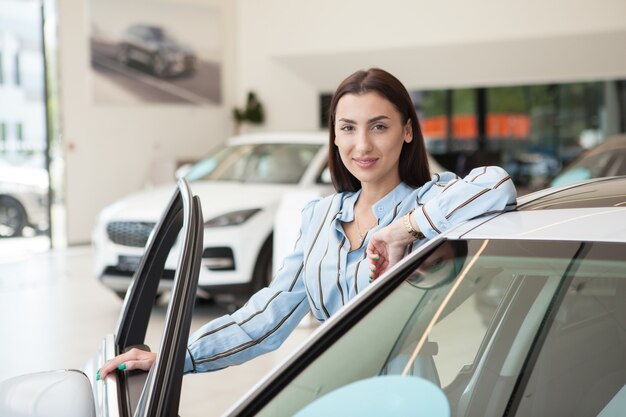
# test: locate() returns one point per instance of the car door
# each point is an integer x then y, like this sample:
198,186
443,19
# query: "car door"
553,345
156,393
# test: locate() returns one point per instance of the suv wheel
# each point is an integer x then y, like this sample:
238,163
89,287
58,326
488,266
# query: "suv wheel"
262,275
12,217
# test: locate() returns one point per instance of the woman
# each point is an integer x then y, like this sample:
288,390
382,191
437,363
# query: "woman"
385,202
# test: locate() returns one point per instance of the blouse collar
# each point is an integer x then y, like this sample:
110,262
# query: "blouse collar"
385,205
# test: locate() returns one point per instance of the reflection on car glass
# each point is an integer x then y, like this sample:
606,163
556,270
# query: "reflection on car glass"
440,266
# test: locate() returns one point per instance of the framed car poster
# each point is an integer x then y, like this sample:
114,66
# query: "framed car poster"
155,52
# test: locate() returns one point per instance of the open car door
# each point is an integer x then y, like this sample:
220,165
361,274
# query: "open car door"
157,393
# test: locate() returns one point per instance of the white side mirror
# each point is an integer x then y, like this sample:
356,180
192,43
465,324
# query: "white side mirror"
325,177
64,393
182,171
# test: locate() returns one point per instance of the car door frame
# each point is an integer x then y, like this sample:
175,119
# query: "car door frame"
157,393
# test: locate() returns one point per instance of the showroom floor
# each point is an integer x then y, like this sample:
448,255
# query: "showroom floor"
54,312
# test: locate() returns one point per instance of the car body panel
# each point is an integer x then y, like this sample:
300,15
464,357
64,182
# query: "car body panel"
148,205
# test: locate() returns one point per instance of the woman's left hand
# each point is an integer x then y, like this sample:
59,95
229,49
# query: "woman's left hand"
132,360
387,246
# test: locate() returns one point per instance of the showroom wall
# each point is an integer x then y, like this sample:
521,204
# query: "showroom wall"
115,149
290,51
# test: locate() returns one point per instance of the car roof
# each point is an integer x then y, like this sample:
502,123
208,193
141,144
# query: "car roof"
320,138
589,211
588,224
600,192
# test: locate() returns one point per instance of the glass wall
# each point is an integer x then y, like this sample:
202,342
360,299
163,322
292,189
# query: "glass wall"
532,130
24,183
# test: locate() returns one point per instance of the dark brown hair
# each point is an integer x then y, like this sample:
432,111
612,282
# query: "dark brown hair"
413,164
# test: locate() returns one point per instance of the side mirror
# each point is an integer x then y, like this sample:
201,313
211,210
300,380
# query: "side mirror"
391,395
65,393
325,177
182,171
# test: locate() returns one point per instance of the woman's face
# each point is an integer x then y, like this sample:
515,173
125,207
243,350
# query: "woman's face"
369,134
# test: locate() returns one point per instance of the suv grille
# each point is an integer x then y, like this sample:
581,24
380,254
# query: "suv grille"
130,233
168,274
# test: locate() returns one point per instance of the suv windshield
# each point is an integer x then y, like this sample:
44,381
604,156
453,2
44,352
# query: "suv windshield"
516,328
282,163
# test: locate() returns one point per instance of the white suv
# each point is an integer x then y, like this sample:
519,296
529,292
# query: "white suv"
240,186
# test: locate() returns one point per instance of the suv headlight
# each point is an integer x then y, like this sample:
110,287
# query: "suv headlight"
231,219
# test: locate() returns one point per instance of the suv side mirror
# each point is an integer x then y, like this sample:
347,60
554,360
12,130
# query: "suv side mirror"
325,177
64,393
182,171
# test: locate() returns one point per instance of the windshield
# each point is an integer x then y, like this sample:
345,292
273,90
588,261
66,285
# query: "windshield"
525,327
280,163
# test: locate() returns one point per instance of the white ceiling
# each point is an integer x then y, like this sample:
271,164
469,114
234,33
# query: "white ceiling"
580,57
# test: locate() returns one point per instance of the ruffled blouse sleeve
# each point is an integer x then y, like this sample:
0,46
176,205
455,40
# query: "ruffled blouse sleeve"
448,200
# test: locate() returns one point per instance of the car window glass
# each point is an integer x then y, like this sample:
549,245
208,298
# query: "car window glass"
466,318
259,163
581,364
204,169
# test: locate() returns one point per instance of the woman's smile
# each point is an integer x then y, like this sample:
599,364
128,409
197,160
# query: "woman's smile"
365,162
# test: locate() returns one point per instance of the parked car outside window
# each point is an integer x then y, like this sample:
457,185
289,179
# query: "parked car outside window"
23,200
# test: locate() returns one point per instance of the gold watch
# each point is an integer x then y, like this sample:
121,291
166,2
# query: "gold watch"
409,227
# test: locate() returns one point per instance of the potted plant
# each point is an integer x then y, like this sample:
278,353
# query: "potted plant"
252,113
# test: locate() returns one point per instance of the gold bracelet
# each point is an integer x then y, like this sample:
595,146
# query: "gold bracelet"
409,227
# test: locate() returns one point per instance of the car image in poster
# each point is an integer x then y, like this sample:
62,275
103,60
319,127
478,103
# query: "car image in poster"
155,53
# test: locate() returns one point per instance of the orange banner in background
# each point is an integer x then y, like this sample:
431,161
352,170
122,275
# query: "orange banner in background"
499,126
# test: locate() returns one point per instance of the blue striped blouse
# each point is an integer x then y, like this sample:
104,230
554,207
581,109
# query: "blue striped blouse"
322,274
